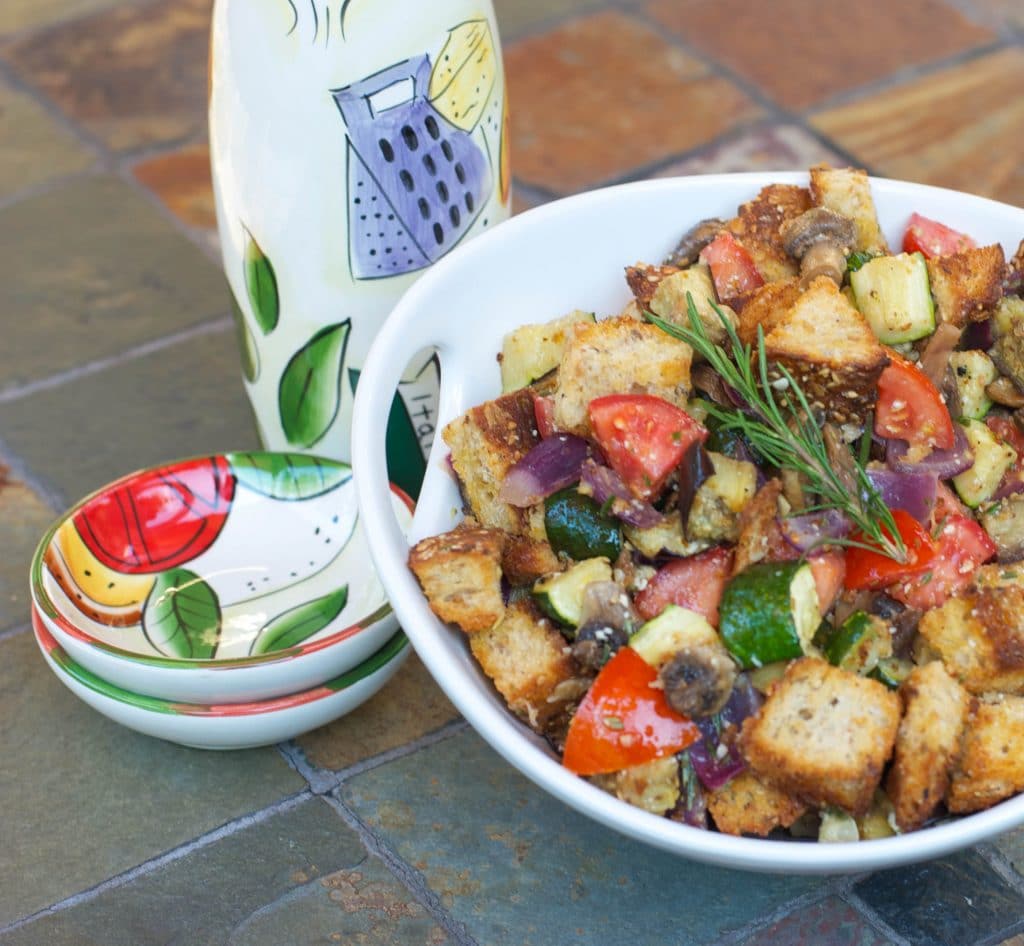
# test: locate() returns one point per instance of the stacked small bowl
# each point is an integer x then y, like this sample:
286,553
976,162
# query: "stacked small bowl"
220,602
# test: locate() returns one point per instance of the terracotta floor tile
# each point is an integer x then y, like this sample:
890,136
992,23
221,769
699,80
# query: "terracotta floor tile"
807,53
565,135
133,76
182,181
971,141
28,14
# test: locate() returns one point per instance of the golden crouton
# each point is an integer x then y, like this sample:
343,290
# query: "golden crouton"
968,285
991,765
758,223
748,805
618,356
823,734
829,348
460,573
671,302
524,560
766,307
979,635
847,191
643,280
653,786
528,662
927,744
759,531
484,443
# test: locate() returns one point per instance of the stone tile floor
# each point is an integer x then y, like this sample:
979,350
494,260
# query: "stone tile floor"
397,824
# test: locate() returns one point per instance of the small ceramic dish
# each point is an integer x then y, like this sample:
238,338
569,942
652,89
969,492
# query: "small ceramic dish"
228,578
226,725
565,255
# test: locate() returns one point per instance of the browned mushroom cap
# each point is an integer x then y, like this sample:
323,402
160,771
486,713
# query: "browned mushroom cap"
821,239
694,240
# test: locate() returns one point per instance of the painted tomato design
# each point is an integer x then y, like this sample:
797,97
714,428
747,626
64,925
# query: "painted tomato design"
159,519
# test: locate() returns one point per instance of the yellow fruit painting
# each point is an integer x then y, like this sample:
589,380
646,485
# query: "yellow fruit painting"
464,74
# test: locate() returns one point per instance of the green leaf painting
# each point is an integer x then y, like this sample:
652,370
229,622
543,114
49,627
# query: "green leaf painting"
246,343
309,394
181,616
261,284
406,466
289,476
300,623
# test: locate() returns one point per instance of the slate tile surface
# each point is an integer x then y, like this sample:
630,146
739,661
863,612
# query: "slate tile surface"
24,517
85,799
519,868
829,922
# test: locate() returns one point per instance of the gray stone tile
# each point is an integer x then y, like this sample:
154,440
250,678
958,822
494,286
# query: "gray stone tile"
179,401
830,922
955,901
1011,846
519,868
92,269
36,149
298,877
84,799
24,517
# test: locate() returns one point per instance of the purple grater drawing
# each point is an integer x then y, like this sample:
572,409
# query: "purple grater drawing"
416,182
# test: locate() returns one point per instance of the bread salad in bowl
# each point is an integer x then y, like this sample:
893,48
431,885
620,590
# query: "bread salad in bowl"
746,554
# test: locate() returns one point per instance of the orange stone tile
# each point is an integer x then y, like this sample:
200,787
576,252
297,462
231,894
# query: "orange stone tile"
410,706
604,96
132,76
805,53
182,181
960,128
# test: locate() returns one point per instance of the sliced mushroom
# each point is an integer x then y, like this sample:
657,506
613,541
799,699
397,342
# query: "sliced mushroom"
699,679
693,241
821,239
1004,391
606,618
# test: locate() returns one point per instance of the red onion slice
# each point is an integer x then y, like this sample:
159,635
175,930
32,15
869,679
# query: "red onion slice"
978,335
943,463
716,759
813,529
911,492
605,484
551,465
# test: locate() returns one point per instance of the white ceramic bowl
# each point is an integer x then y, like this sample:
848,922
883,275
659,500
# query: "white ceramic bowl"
220,579
569,255
226,725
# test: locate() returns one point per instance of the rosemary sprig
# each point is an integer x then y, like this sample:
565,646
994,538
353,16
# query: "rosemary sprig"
780,425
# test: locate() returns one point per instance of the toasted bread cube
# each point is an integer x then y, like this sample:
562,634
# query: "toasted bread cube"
991,765
460,573
758,223
671,302
767,307
528,662
525,560
968,285
484,443
979,635
829,348
643,280
823,734
747,804
936,708
618,356
847,191
759,534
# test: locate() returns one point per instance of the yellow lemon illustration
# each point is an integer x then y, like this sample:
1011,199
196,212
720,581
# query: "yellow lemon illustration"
464,74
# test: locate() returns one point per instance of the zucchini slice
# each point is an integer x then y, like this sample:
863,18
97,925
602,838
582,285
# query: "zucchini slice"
662,637
859,643
894,295
973,371
891,671
769,612
576,525
531,351
560,596
992,458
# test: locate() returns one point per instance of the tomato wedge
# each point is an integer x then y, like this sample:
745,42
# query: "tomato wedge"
932,238
910,407
695,582
544,414
624,721
643,438
963,545
733,270
873,570
1008,432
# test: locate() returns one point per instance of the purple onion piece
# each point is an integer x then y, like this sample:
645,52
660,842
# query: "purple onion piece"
717,760
605,484
943,463
1012,483
978,335
551,465
694,469
692,808
810,530
911,492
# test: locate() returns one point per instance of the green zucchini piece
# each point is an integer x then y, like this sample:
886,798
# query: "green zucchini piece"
859,643
662,637
560,596
992,458
891,671
973,371
531,351
894,295
576,525
769,612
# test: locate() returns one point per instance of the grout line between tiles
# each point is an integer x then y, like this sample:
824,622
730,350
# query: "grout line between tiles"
15,631
168,857
408,876
52,497
874,920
